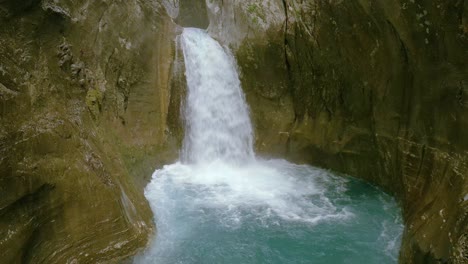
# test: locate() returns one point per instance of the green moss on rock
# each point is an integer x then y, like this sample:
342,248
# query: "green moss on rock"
94,101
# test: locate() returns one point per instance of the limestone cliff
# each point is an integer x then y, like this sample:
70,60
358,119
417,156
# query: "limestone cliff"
83,108
375,89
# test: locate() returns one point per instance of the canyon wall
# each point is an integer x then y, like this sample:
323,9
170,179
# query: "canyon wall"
374,89
84,100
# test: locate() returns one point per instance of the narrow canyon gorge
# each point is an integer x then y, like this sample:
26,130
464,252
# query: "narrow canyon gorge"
91,94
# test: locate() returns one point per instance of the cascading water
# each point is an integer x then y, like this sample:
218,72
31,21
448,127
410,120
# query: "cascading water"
223,205
217,119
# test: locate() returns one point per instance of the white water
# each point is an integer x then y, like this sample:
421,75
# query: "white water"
216,115
220,203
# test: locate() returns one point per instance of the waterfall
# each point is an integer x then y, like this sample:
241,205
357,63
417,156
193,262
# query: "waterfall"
221,204
217,117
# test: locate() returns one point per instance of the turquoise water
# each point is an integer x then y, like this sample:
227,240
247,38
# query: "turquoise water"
269,212
222,204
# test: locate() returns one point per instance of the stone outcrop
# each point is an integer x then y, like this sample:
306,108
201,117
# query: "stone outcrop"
374,89
83,110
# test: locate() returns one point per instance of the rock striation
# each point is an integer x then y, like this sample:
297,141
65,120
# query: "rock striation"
83,111
374,89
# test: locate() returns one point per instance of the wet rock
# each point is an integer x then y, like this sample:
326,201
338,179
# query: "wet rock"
71,173
372,89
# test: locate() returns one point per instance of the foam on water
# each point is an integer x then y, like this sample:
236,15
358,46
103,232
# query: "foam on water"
261,185
268,212
220,204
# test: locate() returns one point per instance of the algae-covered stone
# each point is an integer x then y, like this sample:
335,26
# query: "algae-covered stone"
93,101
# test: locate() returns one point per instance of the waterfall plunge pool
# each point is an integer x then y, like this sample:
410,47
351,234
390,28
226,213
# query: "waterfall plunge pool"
269,212
221,204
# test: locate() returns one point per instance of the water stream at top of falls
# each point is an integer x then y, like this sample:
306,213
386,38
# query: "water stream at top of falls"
221,204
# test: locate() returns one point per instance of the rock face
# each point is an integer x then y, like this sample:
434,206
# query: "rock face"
84,100
375,89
